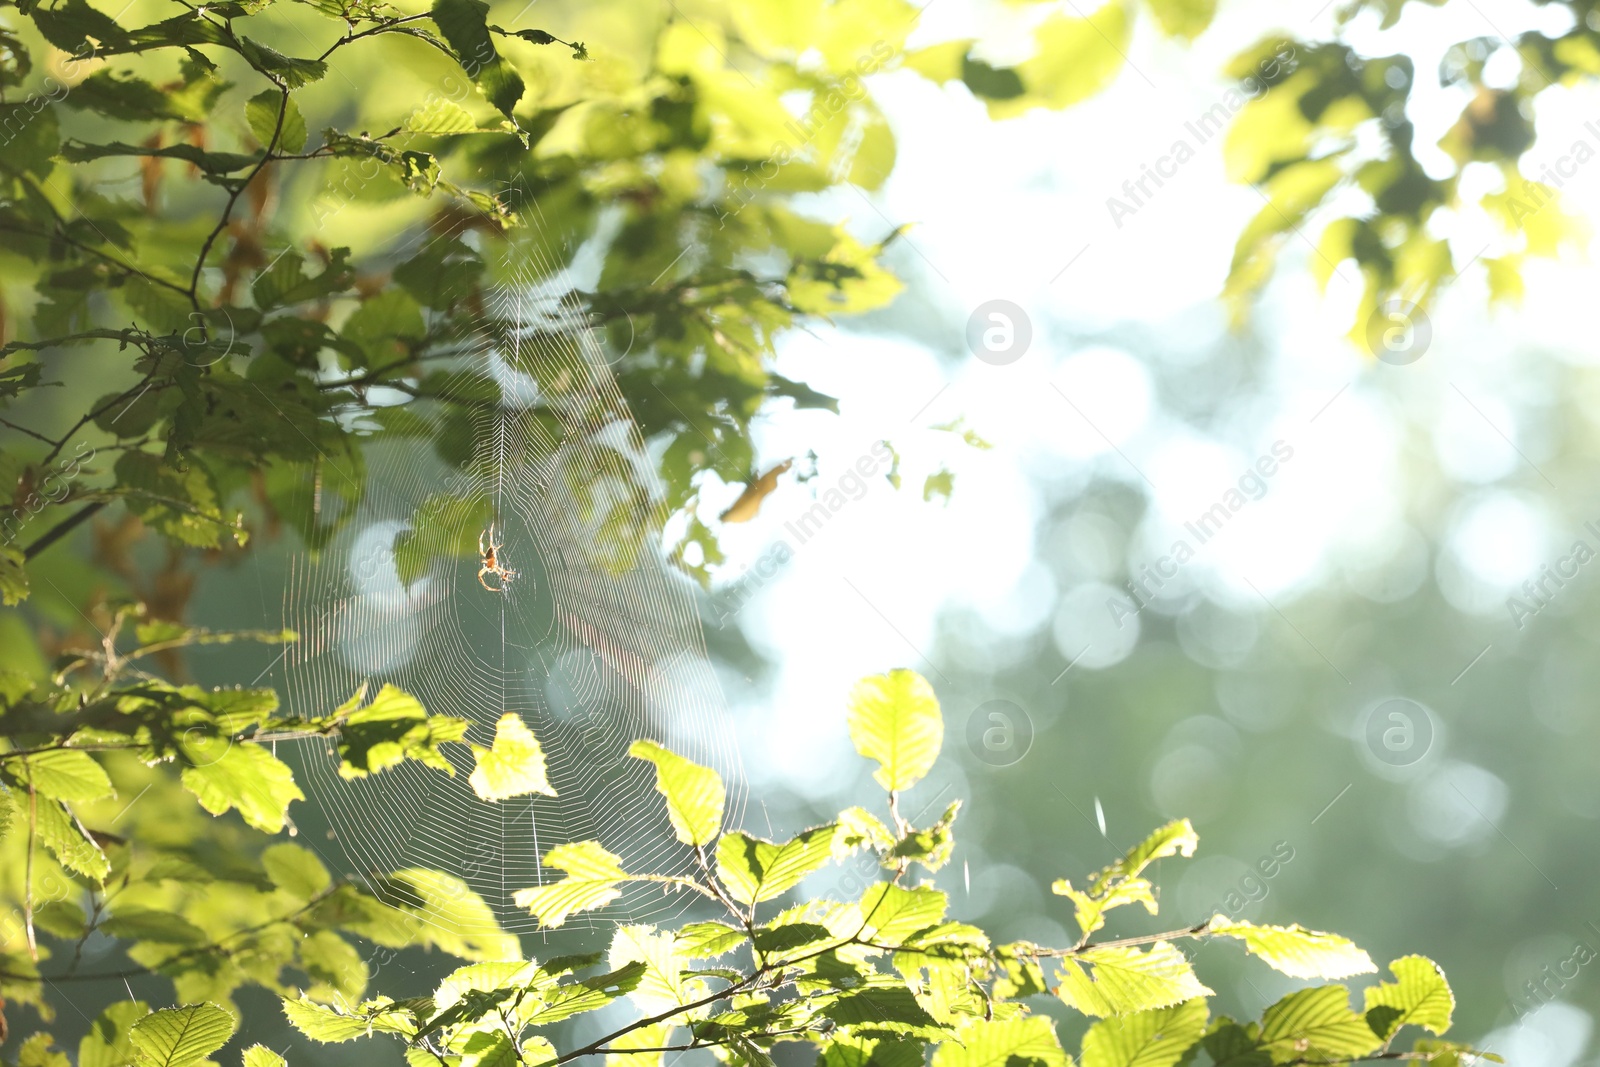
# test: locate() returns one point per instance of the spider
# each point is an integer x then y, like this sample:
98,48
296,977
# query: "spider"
489,547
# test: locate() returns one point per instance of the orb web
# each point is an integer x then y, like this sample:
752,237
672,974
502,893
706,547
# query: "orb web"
595,642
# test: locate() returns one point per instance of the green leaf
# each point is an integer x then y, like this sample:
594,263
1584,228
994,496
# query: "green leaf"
1296,951
464,24
262,1056
894,719
481,978
176,1036
37,139
933,846
39,1050
70,26
1420,996
294,72
1231,1045
514,766
66,837
1119,883
491,1049
443,274
452,917
13,577
148,924
393,728
261,113
183,505
590,994
215,164
333,962
441,118
695,795
1158,1038
1183,18
249,778
107,1043
854,1051
1316,1025
708,940
662,986
896,913
1074,59
593,875
1029,1041
1174,839
882,1009
1122,980
295,870
322,1023
1090,910
755,870
287,282
64,774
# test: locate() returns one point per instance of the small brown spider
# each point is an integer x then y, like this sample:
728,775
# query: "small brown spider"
489,547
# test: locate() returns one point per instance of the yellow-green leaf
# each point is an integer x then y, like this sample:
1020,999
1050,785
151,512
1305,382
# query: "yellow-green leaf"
593,875
755,870
249,778
1316,1026
894,719
64,774
514,766
1122,980
1028,1041
262,1056
1183,18
1296,951
175,1037
1420,996
1156,1038
695,795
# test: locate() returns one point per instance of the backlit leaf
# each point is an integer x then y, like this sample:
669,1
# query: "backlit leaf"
1419,996
1029,1041
514,766
1296,951
1122,980
177,1036
755,870
894,719
1316,1025
593,875
1158,1038
695,794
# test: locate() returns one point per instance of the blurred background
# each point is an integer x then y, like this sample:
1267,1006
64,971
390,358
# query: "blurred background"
1165,552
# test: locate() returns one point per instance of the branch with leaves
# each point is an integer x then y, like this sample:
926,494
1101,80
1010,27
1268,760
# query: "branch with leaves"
888,976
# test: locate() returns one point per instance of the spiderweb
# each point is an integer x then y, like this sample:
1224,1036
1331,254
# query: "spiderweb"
594,643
